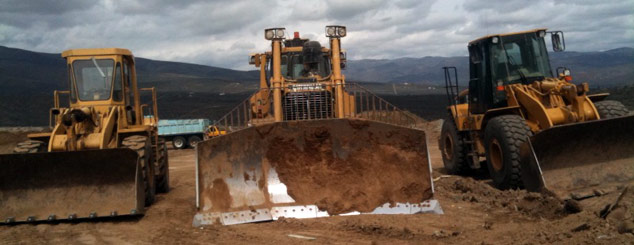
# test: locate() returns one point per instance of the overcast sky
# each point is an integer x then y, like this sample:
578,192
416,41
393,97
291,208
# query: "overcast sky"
223,32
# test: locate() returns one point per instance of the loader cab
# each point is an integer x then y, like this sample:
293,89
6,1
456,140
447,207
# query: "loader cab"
102,78
502,59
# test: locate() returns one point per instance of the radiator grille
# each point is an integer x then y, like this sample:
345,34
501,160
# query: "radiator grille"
307,105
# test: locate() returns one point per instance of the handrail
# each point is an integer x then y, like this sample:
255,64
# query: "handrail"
314,105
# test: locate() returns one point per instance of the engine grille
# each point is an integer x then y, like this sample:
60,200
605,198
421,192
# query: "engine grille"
307,105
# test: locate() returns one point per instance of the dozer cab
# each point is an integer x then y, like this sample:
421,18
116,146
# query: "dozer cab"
535,130
308,144
103,157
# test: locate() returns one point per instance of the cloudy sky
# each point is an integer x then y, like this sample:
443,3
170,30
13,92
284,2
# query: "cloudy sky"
222,32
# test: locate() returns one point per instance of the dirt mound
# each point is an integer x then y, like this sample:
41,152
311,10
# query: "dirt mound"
339,165
543,205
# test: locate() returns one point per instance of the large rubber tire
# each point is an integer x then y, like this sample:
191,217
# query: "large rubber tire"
141,144
503,137
162,168
30,146
193,140
453,149
610,109
179,142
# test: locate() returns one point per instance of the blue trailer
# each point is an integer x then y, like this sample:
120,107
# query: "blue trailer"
183,132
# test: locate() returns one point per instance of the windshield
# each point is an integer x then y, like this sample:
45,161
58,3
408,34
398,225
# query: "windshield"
294,68
93,78
519,58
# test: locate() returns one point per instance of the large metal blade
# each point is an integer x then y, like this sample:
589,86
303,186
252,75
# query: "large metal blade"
580,157
306,169
70,185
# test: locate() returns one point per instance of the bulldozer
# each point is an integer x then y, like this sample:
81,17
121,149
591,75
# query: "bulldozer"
102,158
309,144
535,130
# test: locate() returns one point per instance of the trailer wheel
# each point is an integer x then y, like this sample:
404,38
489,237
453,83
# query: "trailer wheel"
453,149
610,109
193,140
141,144
504,135
179,142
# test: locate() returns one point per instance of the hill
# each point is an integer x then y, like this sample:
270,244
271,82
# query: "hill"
601,69
27,81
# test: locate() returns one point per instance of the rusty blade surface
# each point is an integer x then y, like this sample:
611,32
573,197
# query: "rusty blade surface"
339,165
70,185
580,157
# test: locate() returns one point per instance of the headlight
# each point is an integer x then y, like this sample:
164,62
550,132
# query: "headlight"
279,33
541,33
495,39
341,31
269,34
330,31
274,33
335,31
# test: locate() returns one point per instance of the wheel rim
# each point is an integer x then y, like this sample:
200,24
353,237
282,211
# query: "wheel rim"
178,143
495,155
448,149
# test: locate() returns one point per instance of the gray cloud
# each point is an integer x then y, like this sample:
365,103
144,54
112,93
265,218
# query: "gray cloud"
222,32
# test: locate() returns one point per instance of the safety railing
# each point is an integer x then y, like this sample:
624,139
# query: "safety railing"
314,104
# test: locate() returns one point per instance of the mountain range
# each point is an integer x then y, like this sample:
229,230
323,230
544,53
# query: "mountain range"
27,81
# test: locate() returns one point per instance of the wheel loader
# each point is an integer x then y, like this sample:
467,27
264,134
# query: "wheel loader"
103,157
535,130
308,144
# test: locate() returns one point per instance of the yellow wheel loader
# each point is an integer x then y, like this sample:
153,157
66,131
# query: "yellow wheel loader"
308,144
535,129
103,157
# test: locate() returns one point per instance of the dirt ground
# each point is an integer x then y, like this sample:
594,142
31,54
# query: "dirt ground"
475,213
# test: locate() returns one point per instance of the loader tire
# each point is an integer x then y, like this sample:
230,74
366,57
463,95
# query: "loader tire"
162,168
610,109
453,149
179,142
30,146
141,144
503,137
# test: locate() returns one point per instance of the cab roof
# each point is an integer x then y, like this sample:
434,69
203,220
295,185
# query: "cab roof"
506,34
96,51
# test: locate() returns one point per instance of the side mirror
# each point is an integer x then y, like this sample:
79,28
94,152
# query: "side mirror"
557,38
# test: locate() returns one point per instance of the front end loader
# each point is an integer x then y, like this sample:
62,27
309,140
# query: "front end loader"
308,144
103,157
535,130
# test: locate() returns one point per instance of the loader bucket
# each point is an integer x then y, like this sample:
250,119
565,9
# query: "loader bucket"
70,185
581,157
308,169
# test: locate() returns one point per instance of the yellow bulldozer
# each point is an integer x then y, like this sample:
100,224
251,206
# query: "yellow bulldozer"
308,144
535,130
103,157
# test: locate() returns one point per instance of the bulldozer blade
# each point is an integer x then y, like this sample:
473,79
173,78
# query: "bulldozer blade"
309,169
55,186
580,157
